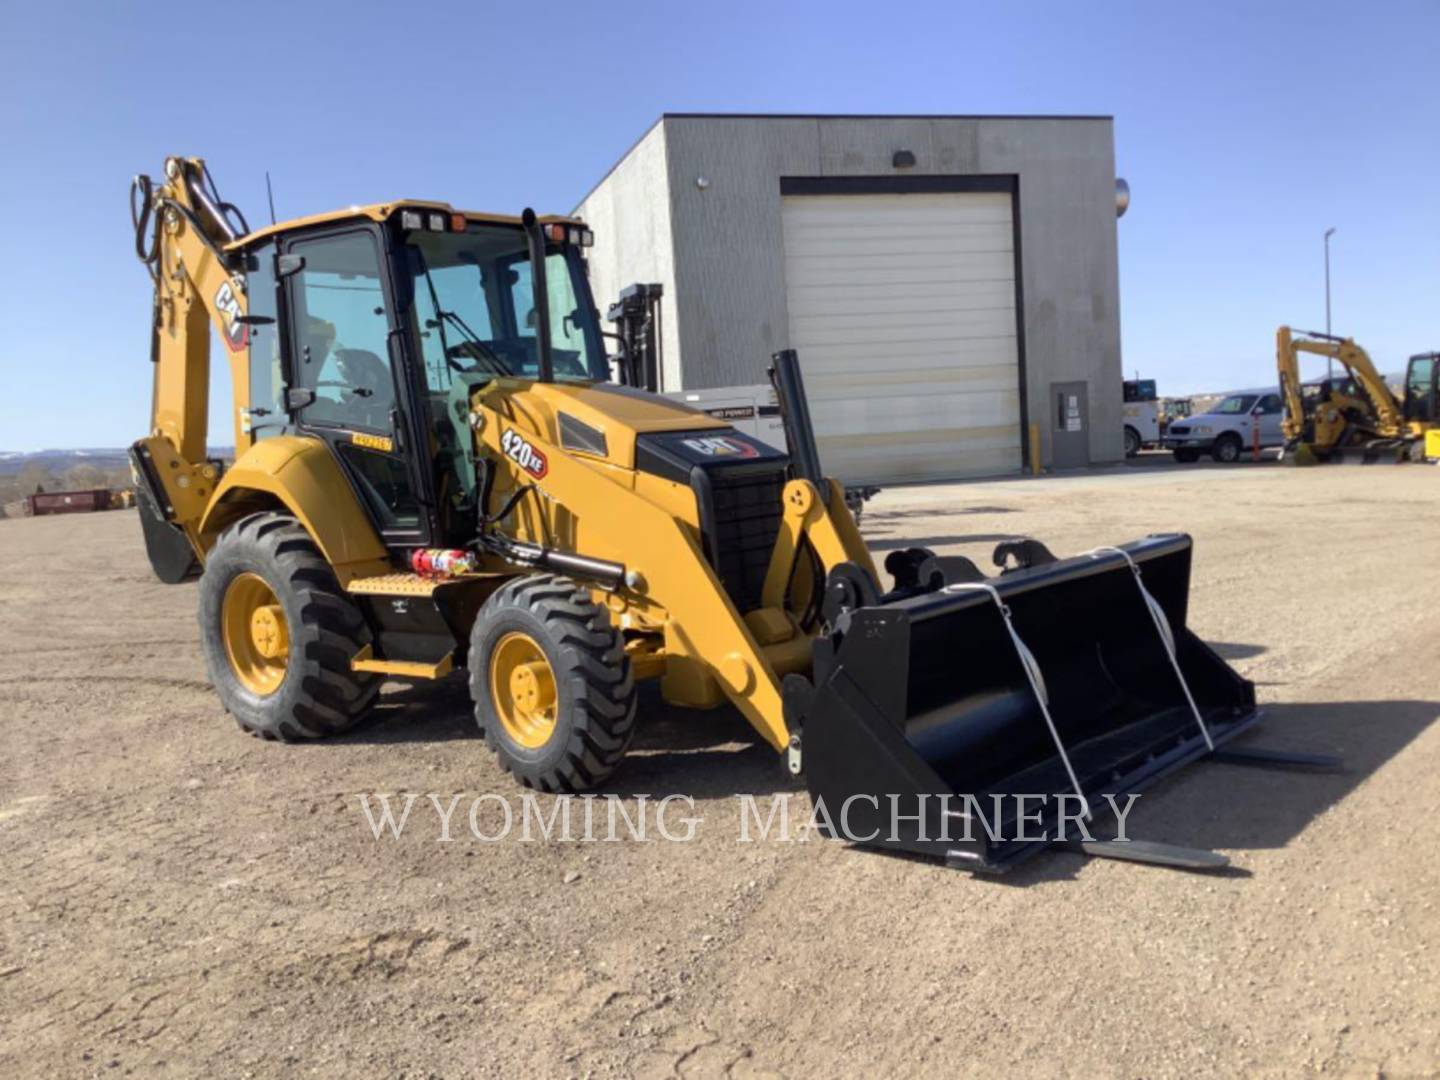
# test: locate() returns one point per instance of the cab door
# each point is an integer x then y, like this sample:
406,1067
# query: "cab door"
1422,388
348,382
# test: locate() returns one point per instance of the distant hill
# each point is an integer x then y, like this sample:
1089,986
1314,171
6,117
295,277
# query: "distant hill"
58,462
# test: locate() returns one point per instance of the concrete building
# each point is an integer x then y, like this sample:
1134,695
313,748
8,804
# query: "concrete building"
947,281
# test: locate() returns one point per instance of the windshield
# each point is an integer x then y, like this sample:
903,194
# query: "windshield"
475,307
1235,403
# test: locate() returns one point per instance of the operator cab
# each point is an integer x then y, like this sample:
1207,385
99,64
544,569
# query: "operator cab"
371,329
1422,389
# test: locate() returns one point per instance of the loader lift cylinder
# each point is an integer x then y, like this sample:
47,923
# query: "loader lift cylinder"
795,414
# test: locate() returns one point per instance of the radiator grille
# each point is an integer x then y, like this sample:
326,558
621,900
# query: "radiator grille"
746,522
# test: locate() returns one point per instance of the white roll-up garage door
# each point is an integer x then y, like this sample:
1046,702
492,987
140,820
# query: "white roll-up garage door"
902,308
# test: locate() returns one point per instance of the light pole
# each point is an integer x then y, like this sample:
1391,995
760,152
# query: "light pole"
1329,364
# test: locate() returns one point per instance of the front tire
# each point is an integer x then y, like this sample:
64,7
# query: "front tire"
552,686
279,633
1227,449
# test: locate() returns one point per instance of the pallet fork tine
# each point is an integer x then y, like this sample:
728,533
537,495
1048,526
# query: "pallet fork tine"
1265,758
1152,852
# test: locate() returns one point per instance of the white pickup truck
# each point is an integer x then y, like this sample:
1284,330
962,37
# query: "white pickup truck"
1229,429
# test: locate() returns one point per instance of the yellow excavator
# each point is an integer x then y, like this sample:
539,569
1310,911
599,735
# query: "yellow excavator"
433,471
1359,418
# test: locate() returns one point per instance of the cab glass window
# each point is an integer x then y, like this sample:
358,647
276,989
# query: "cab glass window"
474,307
341,333
567,321
1422,378
267,384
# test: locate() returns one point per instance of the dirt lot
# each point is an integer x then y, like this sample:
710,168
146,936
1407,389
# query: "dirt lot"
178,898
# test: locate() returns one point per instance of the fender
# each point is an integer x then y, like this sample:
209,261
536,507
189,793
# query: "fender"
302,475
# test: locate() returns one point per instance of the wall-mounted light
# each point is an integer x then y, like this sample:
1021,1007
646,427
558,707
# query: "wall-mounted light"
702,182
903,159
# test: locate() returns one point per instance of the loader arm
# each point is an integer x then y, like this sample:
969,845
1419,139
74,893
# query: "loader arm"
826,524
664,565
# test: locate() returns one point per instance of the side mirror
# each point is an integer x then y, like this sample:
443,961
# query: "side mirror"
297,397
286,265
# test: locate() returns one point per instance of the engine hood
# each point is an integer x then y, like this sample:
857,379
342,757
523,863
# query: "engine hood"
601,420
623,407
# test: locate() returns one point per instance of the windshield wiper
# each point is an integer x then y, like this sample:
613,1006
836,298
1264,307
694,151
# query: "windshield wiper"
481,351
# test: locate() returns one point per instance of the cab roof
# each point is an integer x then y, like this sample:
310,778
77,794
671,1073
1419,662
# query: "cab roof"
382,212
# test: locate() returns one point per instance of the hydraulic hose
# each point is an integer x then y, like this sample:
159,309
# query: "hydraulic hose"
141,210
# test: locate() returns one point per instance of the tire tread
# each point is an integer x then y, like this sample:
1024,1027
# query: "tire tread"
603,713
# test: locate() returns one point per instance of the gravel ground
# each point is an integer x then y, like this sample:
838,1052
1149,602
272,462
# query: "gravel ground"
181,899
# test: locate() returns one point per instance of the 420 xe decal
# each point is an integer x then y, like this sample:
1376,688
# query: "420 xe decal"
518,449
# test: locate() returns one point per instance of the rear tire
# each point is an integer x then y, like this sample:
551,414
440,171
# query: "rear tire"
1227,449
1187,457
552,686
1132,442
306,690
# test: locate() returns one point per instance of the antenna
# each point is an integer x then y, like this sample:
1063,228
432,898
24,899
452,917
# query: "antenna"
270,194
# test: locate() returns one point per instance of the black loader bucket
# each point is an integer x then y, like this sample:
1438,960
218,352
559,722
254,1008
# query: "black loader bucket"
1066,679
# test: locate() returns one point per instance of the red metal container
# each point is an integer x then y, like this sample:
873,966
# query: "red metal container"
68,502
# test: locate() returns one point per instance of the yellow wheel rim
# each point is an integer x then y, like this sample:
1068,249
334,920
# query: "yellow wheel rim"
522,686
257,639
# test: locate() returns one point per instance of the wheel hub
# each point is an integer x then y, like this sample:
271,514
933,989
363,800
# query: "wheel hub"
267,631
532,687
522,687
255,634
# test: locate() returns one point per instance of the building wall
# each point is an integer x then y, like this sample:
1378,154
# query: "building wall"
727,259
730,277
629,210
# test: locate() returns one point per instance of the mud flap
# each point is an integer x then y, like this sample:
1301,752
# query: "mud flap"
1065,681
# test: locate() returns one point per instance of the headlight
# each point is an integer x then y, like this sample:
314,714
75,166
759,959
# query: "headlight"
1202,429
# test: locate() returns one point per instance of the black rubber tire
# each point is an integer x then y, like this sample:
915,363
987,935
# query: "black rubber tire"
1132,442
1187,457
594,687
320,695
1227,449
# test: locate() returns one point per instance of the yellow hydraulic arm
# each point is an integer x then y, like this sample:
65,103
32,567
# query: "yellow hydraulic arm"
1385,409
589,507
181,230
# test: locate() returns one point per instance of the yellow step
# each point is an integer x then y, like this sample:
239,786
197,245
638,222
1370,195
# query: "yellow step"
365,660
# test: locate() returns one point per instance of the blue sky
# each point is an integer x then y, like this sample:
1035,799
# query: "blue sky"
1245,129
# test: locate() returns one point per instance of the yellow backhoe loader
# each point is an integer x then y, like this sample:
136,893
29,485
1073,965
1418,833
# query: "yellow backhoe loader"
1360,419
432,472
